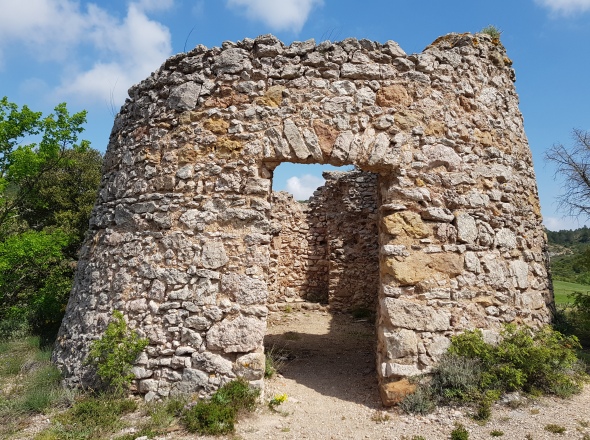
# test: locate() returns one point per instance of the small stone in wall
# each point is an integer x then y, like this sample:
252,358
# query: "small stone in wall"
400,343
466,228
407,223
415,316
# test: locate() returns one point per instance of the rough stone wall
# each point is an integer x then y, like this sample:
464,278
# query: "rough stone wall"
348,201
180,236
327,250
299,259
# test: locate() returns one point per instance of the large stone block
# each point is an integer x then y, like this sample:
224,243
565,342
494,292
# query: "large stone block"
411,315
393,393
236,335
405,223
419,267
244,290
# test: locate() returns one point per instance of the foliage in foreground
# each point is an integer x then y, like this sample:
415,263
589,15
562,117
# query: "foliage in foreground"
218,415
476,372
29,383
459,433
115,352
94,417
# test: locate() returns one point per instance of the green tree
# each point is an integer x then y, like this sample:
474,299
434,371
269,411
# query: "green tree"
48,184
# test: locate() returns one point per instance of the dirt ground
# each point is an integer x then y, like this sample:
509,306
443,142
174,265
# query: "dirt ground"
330,380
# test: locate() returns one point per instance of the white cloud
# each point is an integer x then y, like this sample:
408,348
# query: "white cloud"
566,7
303,187
103,55
278,14
130,51
559,223
46,27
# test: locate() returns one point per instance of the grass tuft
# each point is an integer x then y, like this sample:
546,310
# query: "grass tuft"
555,429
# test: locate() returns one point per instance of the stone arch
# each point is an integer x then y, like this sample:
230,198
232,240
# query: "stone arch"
179,237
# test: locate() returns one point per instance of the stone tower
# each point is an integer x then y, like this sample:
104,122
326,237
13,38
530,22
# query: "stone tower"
180,238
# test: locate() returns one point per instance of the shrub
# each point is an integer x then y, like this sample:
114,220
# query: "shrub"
476,372
218,415
237,394
459,433
555,429
113,354
574,318
456,378
524,360
484,404
422,401
209,418
496,433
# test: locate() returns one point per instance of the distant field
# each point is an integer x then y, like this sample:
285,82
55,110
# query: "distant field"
562,289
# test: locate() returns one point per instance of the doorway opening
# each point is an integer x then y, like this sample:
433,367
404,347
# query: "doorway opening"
325,240
324,278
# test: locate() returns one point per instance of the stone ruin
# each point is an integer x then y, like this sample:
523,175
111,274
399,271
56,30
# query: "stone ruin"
438,231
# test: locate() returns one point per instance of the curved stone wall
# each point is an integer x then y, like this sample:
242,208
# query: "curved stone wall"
180,236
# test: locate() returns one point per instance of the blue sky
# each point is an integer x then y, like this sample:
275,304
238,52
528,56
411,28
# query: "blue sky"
89,53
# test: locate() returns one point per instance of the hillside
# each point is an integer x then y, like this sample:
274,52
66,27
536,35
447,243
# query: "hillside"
569,251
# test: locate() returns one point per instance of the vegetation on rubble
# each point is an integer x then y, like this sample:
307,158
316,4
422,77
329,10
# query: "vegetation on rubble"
476,373
492,31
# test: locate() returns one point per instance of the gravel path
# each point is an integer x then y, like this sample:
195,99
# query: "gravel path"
329,378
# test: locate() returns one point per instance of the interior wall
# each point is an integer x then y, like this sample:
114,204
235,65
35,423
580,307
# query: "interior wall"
298,269
326,250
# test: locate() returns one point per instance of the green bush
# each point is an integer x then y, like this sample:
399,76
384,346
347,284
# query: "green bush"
113,354
209,418
477,373
459,433
555,429
543,361
574,318
218,415
236,394
422,401
456,378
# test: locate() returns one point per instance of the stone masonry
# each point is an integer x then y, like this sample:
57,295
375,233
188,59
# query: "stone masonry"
182,237
327,250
